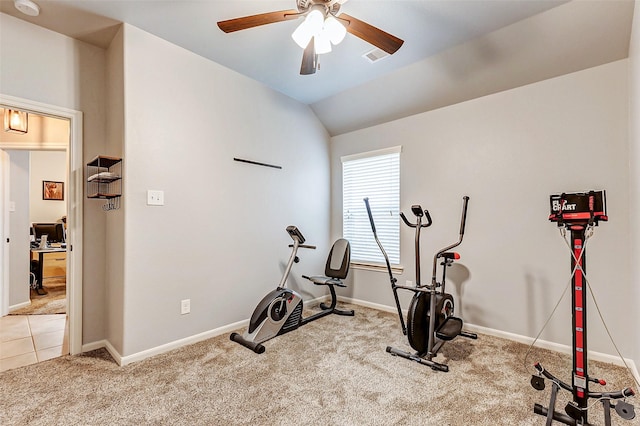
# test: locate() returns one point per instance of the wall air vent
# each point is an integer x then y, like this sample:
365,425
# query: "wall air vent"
375,55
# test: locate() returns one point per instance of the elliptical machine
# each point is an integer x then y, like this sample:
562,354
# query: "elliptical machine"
425,331
280,311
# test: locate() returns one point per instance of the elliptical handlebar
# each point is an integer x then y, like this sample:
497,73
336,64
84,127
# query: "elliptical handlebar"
392,279
375,236
464,215
373,225
463,220
417,210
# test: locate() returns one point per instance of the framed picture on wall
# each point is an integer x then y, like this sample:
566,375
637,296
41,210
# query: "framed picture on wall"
52,190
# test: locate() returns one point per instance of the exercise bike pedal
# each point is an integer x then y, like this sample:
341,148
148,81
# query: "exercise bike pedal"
450,328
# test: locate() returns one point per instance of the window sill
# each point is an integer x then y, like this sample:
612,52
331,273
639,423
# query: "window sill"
396,269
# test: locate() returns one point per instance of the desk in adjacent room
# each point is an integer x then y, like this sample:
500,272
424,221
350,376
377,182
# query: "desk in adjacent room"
56,264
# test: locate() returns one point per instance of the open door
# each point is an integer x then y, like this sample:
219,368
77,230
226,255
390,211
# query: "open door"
75,168
4,232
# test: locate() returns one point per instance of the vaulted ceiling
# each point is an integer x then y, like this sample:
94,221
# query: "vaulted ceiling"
454,50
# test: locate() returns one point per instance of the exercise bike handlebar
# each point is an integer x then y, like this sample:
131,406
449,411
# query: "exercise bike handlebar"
463,220
304,246
298,240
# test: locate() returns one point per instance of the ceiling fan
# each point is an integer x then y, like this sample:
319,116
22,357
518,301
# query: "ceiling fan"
323,25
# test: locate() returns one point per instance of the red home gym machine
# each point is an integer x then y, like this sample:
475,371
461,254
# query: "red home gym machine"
579,213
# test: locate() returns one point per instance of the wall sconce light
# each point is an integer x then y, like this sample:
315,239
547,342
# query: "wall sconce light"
16,121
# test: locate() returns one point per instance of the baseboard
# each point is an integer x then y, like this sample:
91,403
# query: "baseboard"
557,347
94,345
103,344
139,356
367,304
19,305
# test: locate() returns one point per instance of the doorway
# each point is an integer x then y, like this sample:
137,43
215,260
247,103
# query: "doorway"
74,204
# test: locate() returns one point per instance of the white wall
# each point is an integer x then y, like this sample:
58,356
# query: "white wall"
220,238
634,162
509,151
50,166
115,230
44,66
19,231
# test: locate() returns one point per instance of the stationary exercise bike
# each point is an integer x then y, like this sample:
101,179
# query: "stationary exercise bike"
280,311
425,331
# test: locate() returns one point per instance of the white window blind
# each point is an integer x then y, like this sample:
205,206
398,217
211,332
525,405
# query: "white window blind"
375,175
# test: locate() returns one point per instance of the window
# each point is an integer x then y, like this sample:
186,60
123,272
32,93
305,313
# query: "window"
375,175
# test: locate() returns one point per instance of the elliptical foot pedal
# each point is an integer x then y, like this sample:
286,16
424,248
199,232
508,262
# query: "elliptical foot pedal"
450,328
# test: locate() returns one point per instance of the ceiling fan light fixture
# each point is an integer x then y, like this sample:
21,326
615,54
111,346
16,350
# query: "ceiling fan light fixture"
323,45
16,121
334,30
311,26
314,20
302,35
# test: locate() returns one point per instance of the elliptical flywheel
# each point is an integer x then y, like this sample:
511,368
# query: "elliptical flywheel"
418,318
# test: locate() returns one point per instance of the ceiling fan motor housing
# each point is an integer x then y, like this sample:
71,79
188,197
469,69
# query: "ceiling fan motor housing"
331,7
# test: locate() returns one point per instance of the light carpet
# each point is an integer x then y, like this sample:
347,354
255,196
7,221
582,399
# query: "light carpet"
332,371
54,302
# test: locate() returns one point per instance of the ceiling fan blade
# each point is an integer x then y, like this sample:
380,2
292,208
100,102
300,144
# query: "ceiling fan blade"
309,59
246,22
382,40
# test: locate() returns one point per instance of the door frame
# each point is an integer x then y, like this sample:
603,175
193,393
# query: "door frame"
75,202
4,231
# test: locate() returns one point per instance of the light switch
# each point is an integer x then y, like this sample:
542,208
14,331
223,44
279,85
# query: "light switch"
12,206
155,197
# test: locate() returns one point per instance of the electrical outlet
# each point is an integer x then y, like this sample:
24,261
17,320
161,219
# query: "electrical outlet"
409,283
155,197
185,306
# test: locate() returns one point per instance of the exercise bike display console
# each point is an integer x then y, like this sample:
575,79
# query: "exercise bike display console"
430,319
579,213
280,311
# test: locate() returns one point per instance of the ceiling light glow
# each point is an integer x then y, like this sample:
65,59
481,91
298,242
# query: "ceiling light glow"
334,30
326,31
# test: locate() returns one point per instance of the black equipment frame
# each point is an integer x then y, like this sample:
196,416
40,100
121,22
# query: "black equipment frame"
579,212
427,298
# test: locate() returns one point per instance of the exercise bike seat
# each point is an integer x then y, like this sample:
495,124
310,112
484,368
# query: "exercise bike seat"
337,266
321,280
450,328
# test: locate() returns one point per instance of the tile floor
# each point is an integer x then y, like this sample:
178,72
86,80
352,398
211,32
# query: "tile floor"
27,339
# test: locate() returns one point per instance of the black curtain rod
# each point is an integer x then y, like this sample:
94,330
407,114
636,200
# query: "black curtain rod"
257,163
